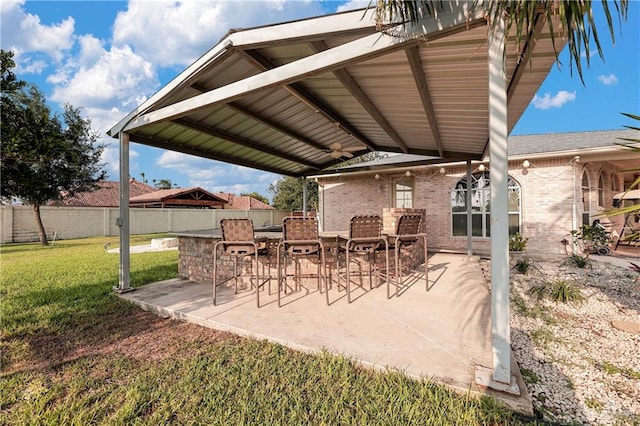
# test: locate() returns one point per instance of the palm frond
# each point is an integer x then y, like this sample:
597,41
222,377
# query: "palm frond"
575,19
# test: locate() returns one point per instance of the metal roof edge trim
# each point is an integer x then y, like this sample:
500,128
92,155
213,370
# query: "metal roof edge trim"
398,167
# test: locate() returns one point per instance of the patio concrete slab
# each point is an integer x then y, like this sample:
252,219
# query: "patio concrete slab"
442,333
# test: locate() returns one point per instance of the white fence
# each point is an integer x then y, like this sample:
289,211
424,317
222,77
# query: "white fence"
18,225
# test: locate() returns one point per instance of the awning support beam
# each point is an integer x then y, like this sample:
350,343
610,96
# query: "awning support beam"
499,377
413,55
350,84
123,219
300,92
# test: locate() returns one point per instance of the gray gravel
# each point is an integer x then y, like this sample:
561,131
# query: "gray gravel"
578,368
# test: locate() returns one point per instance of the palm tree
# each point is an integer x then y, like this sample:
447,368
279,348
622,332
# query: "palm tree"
577,23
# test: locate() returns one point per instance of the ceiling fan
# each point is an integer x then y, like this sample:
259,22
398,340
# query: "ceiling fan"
337,150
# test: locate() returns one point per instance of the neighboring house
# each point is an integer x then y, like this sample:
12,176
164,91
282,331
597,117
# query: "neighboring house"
557,182
107,195
194,198
243,202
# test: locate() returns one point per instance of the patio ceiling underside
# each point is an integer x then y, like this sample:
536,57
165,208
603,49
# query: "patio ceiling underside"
277,98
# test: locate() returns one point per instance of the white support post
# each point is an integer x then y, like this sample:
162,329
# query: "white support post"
123,220
500,376
469,212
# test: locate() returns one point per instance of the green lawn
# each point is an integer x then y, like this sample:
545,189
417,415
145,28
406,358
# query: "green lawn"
73,353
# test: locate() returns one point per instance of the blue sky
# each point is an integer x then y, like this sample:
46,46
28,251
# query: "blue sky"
106,57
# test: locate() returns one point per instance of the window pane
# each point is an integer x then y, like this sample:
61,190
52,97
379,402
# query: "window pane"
404,194
476,225
514,200
459,225
514,224
477,203
458,201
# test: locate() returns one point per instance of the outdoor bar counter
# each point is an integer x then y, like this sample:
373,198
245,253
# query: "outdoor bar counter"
195,248
195,251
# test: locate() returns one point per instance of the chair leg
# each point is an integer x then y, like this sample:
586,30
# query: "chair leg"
279,283
215,276
348,275
257,280
398,267
426,265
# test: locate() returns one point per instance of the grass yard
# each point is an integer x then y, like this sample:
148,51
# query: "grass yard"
73,353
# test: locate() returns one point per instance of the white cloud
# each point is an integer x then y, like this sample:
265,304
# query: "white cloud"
118,78
111,158
23,33
170,33
215,176
354,4
547,101
608,80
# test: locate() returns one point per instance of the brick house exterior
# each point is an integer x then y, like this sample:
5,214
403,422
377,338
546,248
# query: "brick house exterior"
549,188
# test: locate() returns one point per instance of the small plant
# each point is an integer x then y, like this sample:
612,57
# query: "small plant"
517,242
594,404
558,290
523,265
529,376
578,261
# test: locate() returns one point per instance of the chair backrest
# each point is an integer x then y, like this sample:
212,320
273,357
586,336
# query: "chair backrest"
366,228
300,229
408,224
237,229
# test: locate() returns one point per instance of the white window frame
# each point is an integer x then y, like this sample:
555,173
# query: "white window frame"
480,201
409,183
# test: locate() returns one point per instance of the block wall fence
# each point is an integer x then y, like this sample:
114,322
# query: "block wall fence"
548,191
18,225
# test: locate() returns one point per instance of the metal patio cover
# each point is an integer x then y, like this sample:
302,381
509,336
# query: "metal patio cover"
277,97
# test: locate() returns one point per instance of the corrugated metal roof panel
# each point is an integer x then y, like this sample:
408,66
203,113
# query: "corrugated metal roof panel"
372,99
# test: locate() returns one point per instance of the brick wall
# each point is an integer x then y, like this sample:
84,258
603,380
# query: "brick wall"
549,189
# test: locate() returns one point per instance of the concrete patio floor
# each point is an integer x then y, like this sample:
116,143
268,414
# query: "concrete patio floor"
442,334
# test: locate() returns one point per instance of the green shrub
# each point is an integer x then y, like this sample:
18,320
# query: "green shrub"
517,242
578,261
523,265
558,290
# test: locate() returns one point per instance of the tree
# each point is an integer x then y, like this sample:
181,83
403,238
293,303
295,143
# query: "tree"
164,184
287,194
43,156
577,23
257,196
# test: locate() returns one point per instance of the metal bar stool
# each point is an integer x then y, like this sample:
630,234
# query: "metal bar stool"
238,242
300,241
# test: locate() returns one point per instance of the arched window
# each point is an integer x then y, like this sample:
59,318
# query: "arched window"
601,190
614,184
481,206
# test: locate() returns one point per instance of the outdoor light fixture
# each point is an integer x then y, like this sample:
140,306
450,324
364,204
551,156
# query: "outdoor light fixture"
481,168
577,158
526,164
407,173
442,170
377,176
